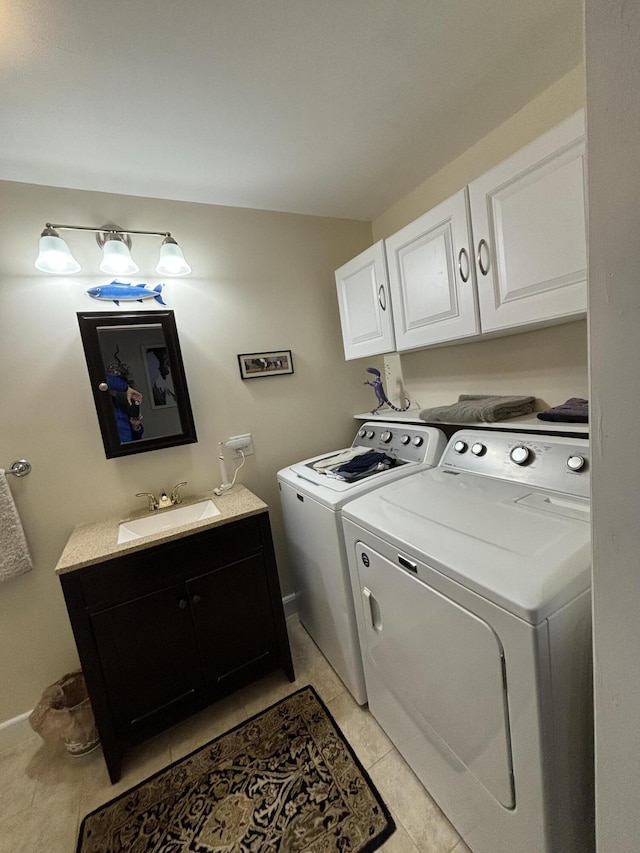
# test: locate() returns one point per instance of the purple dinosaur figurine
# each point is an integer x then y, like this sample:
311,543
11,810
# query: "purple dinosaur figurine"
382,397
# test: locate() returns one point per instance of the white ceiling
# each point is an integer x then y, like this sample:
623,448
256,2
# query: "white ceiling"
329,107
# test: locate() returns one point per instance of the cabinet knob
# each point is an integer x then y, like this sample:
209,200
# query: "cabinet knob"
196,598
182,603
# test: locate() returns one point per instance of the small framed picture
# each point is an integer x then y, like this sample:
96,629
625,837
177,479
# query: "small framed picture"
256,364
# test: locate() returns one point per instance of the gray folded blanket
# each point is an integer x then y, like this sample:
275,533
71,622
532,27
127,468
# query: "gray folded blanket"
472,408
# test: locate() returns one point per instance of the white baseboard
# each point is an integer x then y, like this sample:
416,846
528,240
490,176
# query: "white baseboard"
290,603
15,731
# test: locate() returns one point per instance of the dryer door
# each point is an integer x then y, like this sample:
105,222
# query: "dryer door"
443,664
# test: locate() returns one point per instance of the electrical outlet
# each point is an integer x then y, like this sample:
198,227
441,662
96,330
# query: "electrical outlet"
241,442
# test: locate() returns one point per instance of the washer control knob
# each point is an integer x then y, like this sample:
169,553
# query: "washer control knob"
370,433
520,455
460,446
362,433
576,463
386,436
405,439
418,441
478,449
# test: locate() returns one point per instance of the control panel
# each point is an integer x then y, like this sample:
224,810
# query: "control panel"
407,442
548,462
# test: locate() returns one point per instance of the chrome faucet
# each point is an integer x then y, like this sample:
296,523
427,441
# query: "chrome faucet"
164,500
153,502
175,497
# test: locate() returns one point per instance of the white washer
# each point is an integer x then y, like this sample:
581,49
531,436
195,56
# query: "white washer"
472,590
311,504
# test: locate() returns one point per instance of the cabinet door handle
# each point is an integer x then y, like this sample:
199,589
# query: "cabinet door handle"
484,270
196,598
382,299
183,603
463,253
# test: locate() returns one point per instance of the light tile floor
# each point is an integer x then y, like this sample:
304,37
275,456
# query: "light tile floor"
45,793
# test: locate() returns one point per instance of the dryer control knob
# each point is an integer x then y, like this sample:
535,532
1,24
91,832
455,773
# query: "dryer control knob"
386,436
576,463
460,446
520,455
362,433
478,449
418,441
405,439
370,433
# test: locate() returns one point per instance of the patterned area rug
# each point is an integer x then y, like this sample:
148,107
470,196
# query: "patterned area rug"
284,781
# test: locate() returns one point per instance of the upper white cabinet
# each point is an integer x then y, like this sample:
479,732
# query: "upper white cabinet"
529,231
505,254
365,307
432,277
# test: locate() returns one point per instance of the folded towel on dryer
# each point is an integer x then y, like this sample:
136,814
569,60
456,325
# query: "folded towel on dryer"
474,408
574,411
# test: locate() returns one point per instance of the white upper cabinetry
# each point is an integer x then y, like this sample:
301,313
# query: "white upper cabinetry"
432,278
506,254
365,308
528,218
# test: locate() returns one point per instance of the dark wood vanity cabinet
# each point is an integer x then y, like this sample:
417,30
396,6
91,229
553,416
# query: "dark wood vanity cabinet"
167,630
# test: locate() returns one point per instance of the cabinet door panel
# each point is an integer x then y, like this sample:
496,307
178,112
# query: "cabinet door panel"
233,618
431,277
365,308
148,655
529,211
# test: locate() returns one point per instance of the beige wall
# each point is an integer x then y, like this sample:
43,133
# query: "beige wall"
550,364
564,98
261,281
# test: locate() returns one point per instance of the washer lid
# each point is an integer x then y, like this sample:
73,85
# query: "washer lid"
526,550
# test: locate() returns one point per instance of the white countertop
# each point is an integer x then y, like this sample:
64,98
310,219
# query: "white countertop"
93,543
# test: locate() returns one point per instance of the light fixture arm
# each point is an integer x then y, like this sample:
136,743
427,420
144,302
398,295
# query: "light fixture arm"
106,230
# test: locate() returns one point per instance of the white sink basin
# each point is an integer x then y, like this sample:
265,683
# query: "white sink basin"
168,519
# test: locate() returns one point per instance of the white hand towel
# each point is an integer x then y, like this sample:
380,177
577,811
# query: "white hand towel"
14,552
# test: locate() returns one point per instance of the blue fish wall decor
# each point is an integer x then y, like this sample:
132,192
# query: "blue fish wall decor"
118,292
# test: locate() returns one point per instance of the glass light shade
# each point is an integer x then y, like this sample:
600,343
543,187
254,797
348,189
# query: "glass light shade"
116,259
172,260
55,256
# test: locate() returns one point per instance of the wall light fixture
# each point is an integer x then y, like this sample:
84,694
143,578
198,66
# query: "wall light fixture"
55,256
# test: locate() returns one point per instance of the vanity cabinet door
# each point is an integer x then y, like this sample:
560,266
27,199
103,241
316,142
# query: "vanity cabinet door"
234,623
163,632
149,657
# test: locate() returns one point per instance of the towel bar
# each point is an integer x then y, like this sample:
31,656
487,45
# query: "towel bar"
20,468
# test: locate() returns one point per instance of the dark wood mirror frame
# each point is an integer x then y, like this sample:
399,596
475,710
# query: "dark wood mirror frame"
90,325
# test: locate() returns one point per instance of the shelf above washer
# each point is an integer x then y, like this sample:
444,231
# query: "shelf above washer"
526,423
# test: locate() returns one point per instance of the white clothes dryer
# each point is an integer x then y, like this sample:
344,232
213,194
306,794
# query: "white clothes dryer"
471,584
313,497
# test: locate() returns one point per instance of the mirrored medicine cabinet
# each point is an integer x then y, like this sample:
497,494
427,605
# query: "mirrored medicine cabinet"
137,379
